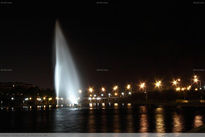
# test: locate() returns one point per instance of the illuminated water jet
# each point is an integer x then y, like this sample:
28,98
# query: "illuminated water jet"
66,78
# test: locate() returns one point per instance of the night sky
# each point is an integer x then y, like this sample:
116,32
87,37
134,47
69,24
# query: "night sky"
128,41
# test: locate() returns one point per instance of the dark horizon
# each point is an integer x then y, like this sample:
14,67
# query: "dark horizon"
113,42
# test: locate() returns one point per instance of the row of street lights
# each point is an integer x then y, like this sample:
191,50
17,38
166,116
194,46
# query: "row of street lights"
158,85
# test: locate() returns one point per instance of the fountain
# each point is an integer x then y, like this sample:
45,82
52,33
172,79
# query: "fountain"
66,78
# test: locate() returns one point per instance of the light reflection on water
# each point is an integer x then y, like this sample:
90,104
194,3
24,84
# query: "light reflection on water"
198,121
143,120
129,121
159,123
91,122
177,123
116,121
159,120
136,119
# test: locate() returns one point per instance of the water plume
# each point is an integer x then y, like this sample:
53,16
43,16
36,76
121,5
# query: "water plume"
66,78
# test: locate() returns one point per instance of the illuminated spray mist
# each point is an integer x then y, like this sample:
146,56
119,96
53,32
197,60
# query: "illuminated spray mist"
66,80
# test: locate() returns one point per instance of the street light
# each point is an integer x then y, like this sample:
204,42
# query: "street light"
109,94
115,93
196,80
80,91
174,82
178,89
115,88
128,86
103,89
142,85
183,88
189,87
158,84
90,90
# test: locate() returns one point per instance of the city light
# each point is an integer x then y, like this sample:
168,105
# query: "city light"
174,82
183,89
99,95
38,99
178,89
158,84
115,104
109,94
90,90
90,105
142,85
103,89
128,86
115,88
195,79
189,87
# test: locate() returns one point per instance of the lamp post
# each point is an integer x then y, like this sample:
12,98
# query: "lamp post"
158,84
143,88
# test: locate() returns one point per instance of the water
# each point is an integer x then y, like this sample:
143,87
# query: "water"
138,119
66,78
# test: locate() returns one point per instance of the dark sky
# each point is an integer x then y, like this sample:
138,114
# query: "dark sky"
133,41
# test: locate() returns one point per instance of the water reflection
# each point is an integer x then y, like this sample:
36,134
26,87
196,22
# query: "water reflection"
91,121
159,120
129,120
198,121
143,120
116,121
143,123
177,123
104,121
